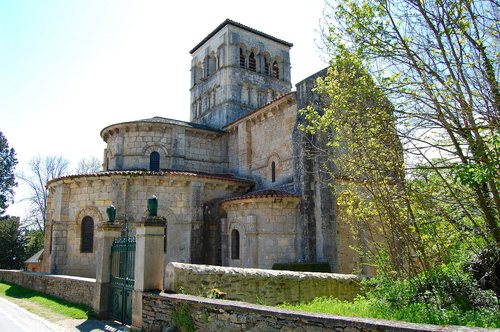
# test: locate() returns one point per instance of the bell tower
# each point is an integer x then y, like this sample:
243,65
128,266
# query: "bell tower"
234,71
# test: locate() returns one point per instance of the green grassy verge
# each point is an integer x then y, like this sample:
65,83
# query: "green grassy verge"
35,301
415,313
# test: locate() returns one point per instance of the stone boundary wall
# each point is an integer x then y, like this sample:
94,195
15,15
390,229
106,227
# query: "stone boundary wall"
269,287
222,315
69,288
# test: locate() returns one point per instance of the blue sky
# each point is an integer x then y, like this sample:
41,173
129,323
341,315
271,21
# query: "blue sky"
70,68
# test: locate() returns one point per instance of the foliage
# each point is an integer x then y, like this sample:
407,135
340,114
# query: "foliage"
12,244
182,319
410,124
88,165
34,241
444,296
8,162
216,293
42,170
21,296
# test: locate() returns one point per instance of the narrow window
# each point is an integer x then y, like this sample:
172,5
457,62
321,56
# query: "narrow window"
273,171
235,244
251,62
242,58
165,239
87,235
154,162
266,66
276,70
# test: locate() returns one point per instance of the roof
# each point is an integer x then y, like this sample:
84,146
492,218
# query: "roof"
226,177
260,108
36,258
264,193
162,120
241,26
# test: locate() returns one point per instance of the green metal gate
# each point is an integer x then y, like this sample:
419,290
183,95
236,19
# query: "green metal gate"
122,278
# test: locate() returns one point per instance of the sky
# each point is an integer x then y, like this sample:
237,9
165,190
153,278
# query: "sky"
69,68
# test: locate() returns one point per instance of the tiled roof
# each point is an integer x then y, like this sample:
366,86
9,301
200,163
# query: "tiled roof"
265,193
227,177
260,108
161,120
241,26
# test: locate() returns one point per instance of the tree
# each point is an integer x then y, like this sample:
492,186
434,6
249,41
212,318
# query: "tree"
437,64
42,170
12,242
88,165
8,162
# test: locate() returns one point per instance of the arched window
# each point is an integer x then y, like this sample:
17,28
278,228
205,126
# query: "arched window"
235,244
266,66
276,70
252,65
154,162
242,58
87,235
273,171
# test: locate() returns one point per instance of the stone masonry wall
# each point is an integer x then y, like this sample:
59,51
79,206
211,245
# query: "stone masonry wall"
221,315
259,286
73,289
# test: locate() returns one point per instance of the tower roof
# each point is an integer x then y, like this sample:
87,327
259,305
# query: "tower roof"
241,26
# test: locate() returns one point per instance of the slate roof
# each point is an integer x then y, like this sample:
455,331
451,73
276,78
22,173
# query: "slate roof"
35,258
241,26
264,193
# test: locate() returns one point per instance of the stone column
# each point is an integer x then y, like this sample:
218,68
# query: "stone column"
106,233
148,271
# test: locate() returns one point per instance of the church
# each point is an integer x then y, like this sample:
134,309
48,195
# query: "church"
238,185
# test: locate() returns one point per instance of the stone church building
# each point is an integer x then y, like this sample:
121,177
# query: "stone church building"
237,185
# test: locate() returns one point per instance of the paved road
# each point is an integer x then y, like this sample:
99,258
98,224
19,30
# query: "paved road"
16,319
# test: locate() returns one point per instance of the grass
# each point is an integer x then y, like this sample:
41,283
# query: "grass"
42,304
415,312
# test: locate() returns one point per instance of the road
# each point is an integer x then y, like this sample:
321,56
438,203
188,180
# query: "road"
16,319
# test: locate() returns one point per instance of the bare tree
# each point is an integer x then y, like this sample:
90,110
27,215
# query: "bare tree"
42,170
88,165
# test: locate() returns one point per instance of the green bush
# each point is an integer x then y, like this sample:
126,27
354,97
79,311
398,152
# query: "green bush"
303,267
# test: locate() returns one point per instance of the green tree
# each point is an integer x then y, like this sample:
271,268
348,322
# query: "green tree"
427,74
12,243
8,162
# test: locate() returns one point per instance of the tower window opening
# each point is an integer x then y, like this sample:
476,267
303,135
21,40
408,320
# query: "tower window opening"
154,162
251,62
276,70
242,58
266,66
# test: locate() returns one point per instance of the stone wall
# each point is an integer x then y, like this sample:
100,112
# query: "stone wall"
73,289
180,146
221,315
259,286
180,201
264,137
267,229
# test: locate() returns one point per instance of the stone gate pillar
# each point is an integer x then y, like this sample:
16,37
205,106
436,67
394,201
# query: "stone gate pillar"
106,233
148,271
